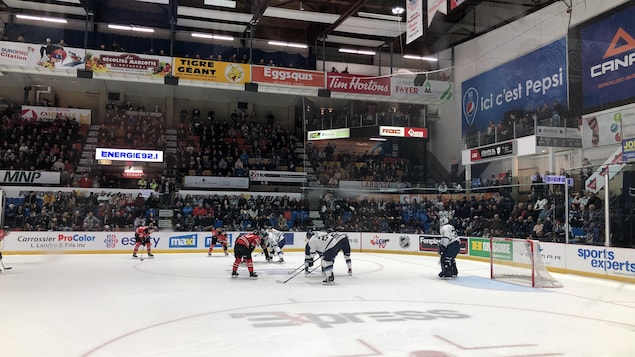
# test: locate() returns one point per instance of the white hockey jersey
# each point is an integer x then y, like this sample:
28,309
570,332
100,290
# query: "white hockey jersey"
449,235
274,236
321,242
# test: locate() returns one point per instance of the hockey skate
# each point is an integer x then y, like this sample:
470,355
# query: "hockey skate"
226,254
281,260
253,275
328,280
350,271
209,254
150,255
134,255
234,275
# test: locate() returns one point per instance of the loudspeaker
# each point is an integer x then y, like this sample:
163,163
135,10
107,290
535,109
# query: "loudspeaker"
324,93
171,81
82,73
251,87
420,79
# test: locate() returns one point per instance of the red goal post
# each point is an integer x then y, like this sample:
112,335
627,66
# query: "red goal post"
519,261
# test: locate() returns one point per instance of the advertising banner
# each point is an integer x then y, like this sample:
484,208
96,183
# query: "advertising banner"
435,6
601,260
30,112
558,136
128,63
409,86
534,84
369,185
414,20
455,3
492,151
46,55
327,134
212,182
30,177
128,155
502,250
277,176
287,76
403,132
430,243
595,182
608,59
211,71
338,82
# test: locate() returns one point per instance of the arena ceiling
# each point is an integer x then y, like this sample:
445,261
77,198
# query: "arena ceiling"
363,24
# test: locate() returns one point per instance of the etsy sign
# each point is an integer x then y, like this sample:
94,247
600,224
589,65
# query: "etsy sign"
338,82
287,76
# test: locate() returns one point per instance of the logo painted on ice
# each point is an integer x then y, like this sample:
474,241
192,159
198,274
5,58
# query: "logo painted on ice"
470,105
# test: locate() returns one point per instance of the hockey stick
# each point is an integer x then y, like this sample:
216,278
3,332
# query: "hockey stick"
296,274
5,267
141,254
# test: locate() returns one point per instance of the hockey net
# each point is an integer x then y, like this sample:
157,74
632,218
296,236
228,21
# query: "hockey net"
518,261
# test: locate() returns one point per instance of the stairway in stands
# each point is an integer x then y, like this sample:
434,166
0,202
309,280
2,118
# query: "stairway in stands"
88,153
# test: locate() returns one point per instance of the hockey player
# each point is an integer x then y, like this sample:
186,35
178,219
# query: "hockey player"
218,236
245,245
142,237
275,242
449,247
327,246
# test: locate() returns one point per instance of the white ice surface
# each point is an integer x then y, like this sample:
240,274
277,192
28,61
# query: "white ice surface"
393,305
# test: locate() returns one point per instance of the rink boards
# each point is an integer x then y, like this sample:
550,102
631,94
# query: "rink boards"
598,261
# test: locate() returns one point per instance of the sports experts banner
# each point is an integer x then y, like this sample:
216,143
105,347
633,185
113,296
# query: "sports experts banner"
529,81
128,155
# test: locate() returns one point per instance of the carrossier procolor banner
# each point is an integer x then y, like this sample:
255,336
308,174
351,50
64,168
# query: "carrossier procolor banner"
533,81
588,260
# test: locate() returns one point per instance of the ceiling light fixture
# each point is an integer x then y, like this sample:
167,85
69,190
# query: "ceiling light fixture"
377,139
422,58
130,28
287,44
357,52
211,36
162,2
220,3
397,10
371,15
38,18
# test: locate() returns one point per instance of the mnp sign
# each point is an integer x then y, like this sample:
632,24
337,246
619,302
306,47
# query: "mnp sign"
29,177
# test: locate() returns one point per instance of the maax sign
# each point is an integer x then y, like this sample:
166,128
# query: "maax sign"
404,132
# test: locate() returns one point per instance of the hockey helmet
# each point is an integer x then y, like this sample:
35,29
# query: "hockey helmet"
309,234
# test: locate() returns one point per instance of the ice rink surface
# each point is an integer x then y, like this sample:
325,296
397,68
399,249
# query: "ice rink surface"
393,305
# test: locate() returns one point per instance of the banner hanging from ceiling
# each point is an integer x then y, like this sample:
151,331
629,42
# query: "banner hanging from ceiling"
455,3
414,20
435,6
